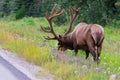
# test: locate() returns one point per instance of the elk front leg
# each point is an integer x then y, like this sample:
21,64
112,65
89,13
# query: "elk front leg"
76,51
87,54
75,48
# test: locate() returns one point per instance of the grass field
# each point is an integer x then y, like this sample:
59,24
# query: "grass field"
25,38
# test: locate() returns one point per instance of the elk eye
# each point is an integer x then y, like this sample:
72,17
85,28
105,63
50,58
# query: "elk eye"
60,36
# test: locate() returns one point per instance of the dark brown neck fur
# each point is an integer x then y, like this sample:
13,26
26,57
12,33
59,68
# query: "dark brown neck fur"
67,41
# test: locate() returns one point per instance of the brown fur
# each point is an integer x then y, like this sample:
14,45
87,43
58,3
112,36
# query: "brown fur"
86,37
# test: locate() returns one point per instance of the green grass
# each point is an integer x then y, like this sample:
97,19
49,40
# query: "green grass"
25,38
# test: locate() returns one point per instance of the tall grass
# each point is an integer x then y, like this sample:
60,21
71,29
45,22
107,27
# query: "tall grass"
24,48
25,38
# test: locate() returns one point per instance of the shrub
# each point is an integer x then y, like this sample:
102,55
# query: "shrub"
60,20
20,13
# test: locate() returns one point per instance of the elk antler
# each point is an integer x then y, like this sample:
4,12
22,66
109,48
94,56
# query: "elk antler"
49,19
73,14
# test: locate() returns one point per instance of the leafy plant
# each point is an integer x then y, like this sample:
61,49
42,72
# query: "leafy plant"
20,13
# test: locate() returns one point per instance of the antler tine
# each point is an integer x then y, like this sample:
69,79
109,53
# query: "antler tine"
74,9
47,15
60,12
53,9
48,31
73,14
54,14
48,38
49,18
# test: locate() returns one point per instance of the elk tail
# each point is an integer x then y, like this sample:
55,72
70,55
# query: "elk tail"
94,37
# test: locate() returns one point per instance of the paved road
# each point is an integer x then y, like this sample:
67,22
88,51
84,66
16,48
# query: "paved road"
14,68
8,72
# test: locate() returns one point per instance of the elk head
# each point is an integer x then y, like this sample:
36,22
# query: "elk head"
61,39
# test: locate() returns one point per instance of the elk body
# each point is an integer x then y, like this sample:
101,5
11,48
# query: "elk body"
87,37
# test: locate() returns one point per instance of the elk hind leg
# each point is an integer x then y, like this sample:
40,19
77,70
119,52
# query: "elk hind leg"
91,46
99,52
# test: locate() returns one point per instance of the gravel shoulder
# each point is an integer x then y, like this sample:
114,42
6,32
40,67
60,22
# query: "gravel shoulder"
28,69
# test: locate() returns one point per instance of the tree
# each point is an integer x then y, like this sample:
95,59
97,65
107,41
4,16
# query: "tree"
91,11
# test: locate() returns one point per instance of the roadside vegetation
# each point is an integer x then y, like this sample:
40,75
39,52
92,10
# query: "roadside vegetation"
25,38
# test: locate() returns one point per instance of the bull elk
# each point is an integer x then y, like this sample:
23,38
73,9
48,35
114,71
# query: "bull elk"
87,37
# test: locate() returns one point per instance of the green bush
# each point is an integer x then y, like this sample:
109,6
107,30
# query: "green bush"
1,14
60,20
20,13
